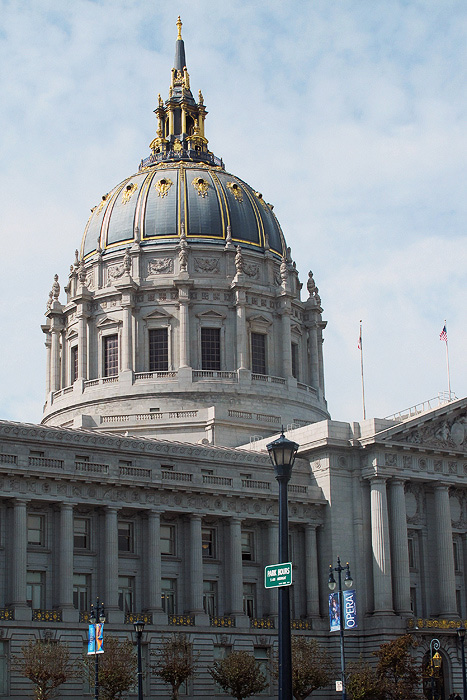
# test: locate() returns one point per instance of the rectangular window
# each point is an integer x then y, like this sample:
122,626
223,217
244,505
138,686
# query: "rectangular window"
126,541
35,590
74,363
413,600
411,542
249,599
455,548
36,530
81,533
247,545
168,539
295,360
126,593
3,668
262,657
210,348
81,591
158,350
210,598
110,355
168,596
208,538
258,353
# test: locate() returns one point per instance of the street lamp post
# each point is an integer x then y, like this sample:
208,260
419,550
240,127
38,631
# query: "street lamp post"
435,661
282,453
348,583
461,635
139,627
97,616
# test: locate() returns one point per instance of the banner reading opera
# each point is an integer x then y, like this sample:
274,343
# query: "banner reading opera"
350,611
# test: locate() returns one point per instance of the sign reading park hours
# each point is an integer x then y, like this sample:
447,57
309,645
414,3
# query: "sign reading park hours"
278,575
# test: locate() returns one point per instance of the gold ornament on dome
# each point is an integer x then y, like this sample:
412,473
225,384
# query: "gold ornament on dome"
177,145
201,186
101,205
236,191
163,186
128,192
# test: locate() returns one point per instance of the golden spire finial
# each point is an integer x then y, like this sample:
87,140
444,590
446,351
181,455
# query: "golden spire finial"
179,27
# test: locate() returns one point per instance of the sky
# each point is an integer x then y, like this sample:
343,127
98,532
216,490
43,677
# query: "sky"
349,116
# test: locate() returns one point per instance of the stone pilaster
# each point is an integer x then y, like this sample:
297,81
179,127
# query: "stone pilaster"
311,571
382,584
286,340
235,589
111,562
196,566
82,345
242,345
19,560
399,548
66,558
184,327
152,563
444,553
55,368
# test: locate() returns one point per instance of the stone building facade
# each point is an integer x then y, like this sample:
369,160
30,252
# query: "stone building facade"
180,349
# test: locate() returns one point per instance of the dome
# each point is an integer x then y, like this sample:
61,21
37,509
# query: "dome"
155,203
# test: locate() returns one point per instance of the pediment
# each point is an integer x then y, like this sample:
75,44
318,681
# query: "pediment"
156,315
109,321
443,428
259,319
211,315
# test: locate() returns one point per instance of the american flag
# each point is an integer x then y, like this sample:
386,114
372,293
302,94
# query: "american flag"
444,334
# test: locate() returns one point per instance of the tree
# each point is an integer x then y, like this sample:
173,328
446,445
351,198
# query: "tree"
175,662
239,674
46,664
118,667
312,667
398,673
362,682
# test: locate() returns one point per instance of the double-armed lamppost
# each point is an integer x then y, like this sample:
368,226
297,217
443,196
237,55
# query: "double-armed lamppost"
96,617
461,636
282,453
435,663
139,627
348,583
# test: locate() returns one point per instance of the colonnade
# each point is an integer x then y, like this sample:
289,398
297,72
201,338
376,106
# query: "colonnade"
389,542
230,562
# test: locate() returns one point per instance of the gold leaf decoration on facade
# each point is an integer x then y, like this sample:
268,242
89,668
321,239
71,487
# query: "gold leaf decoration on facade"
236,191
163,186
128,192
101,205
201,186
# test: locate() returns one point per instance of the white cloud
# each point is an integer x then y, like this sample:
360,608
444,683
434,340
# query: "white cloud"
350,117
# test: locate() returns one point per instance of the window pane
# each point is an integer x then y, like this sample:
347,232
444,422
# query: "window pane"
158,350
81,591
81,529
167,539
35,589
74,363
110,355
258,353
210,598
249,607
125,537
210,349
168,596
36,530
126,585
247,546
208,538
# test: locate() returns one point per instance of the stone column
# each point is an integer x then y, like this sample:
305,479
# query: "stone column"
48,345
444,553
111,560
82,346
127,345
242,346
236,567
314,357
152,560
286,342
55,360
184,328
382,586
66,557
272,558
399,549
19,558
311,571
320,359
196,566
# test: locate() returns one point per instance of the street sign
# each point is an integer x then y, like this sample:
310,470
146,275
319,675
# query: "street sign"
278,575
339,686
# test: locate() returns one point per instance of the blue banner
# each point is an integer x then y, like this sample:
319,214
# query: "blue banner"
96,639
334,612
350,610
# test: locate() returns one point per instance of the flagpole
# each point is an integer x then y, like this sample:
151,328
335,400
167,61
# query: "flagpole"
447,361
360,345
